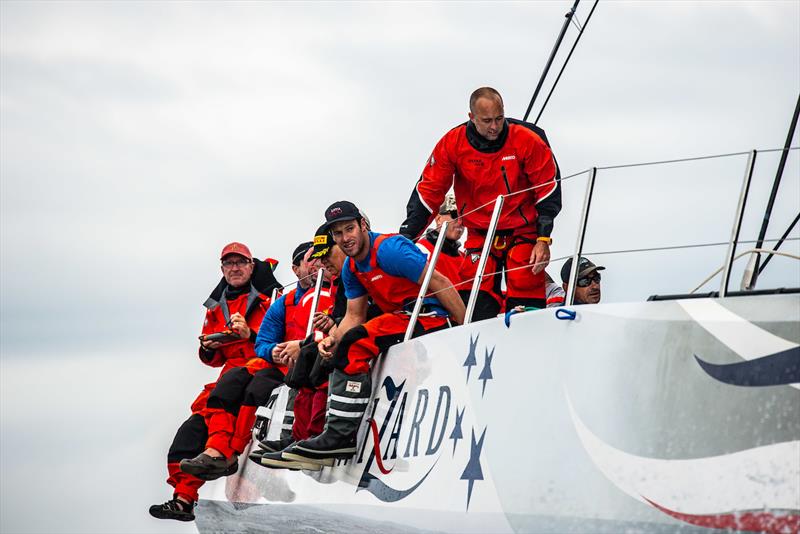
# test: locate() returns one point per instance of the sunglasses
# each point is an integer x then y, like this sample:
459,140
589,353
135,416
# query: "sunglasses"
235,263
586,281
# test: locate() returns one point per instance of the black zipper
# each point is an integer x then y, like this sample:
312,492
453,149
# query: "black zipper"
519,209
505,178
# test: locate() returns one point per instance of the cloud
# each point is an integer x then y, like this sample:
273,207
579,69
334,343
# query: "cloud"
137,138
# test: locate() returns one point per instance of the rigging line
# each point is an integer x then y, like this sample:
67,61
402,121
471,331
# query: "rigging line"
679,160
774,192
743,253
780,242
564,66
678,247
787,149
313,275
466,282
608,252
696,158
576,23
560,38
512,194
610,167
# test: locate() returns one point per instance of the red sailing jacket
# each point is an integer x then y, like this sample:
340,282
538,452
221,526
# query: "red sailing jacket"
252,306
294,321
478,177
390,293
297,315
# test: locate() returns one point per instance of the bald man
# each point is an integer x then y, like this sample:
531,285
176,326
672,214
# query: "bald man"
487,156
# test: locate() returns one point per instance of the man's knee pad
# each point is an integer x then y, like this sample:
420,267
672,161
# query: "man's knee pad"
260,387
190,439
340,357
228,393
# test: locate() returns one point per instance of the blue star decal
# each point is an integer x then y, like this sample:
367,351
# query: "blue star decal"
473,470
456,434
471,359
486,372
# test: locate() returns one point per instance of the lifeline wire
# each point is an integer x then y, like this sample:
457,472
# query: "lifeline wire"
608,252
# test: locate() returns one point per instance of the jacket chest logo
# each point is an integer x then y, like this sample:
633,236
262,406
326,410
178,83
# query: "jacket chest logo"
508,158
477,162
376,277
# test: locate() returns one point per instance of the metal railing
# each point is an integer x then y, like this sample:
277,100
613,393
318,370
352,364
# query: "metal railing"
730,255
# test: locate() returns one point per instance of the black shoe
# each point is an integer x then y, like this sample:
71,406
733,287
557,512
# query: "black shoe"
174,509
207,467
324,447
255,455
274,460
275,445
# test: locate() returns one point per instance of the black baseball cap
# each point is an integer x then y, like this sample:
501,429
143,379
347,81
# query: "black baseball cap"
342,210
322,243
300,251
584,267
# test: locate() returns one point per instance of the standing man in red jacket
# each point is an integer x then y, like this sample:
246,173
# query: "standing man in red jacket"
487,156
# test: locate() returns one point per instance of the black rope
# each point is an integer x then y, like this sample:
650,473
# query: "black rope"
775,185
564,66
550,59
779,243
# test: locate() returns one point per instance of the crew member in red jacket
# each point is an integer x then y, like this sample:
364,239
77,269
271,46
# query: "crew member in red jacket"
487,156
206,442
389,269
451,257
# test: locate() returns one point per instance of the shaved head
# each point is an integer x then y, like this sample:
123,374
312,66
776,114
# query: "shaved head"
486,112
484,92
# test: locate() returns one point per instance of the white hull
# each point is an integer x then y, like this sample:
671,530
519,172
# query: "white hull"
609,421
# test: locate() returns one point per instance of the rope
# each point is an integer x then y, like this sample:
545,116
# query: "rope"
623,166
649,249
751,251
507,195
564,66
697,158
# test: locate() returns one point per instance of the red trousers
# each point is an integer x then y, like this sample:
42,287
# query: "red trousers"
222,418
510,255
363,343
309,412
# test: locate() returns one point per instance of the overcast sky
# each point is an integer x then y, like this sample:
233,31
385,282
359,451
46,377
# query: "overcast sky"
136,139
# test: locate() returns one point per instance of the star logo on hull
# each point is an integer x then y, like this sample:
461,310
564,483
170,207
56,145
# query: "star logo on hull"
486,372
471,360
456,434
473,470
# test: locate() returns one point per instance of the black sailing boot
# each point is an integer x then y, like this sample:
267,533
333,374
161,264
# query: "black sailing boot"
276,445
173,509
347,402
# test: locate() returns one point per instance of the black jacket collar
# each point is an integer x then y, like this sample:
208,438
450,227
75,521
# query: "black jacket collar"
481,144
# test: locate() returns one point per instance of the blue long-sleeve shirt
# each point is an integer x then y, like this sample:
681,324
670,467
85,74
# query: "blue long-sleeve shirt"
273,327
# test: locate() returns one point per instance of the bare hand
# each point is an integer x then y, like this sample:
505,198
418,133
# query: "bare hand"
290,353
277,354
326,348
239,325
323,322
540,257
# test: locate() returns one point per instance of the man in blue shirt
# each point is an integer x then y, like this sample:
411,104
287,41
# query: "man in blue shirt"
389,269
